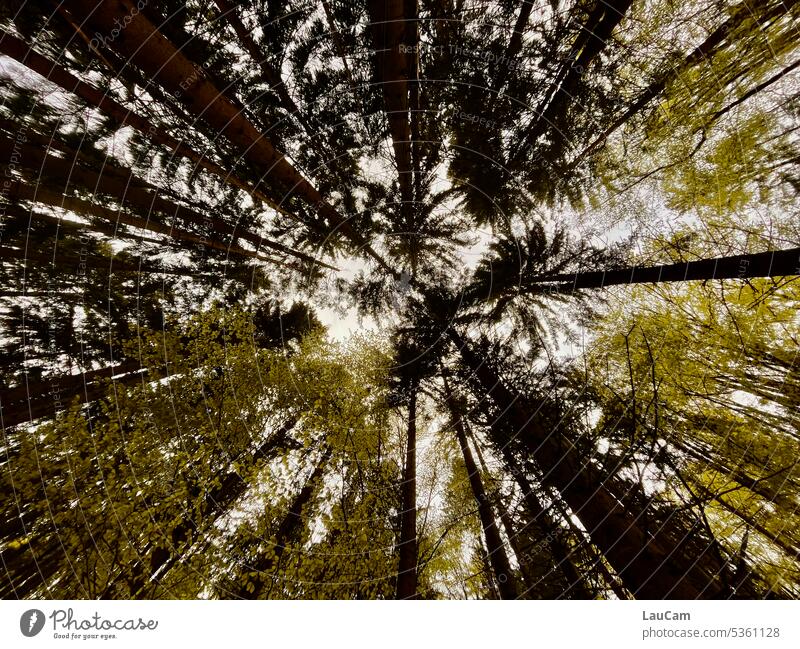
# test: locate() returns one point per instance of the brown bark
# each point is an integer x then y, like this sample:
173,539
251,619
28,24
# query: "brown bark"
144,46
650,567
389,33
778,263
742,12
414,97
50,70
504,577
407,548
599,562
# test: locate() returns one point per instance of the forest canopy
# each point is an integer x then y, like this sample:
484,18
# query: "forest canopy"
400,299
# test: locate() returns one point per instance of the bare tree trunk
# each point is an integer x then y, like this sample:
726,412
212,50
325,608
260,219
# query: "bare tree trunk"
505,518
778,263
389,31
504,577
744,11
414,95
290,526
50,70
599,561
649,566
143,45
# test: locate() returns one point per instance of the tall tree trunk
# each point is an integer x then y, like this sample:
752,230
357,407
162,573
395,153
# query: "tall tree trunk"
539,517
491,584
288,529
407,547
505,518
218,501
778,263
650,566
591,40
414,96
389,32
504,577
599,562
76,229
121,184
513,539
55,73
33,400
744,11
144,46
